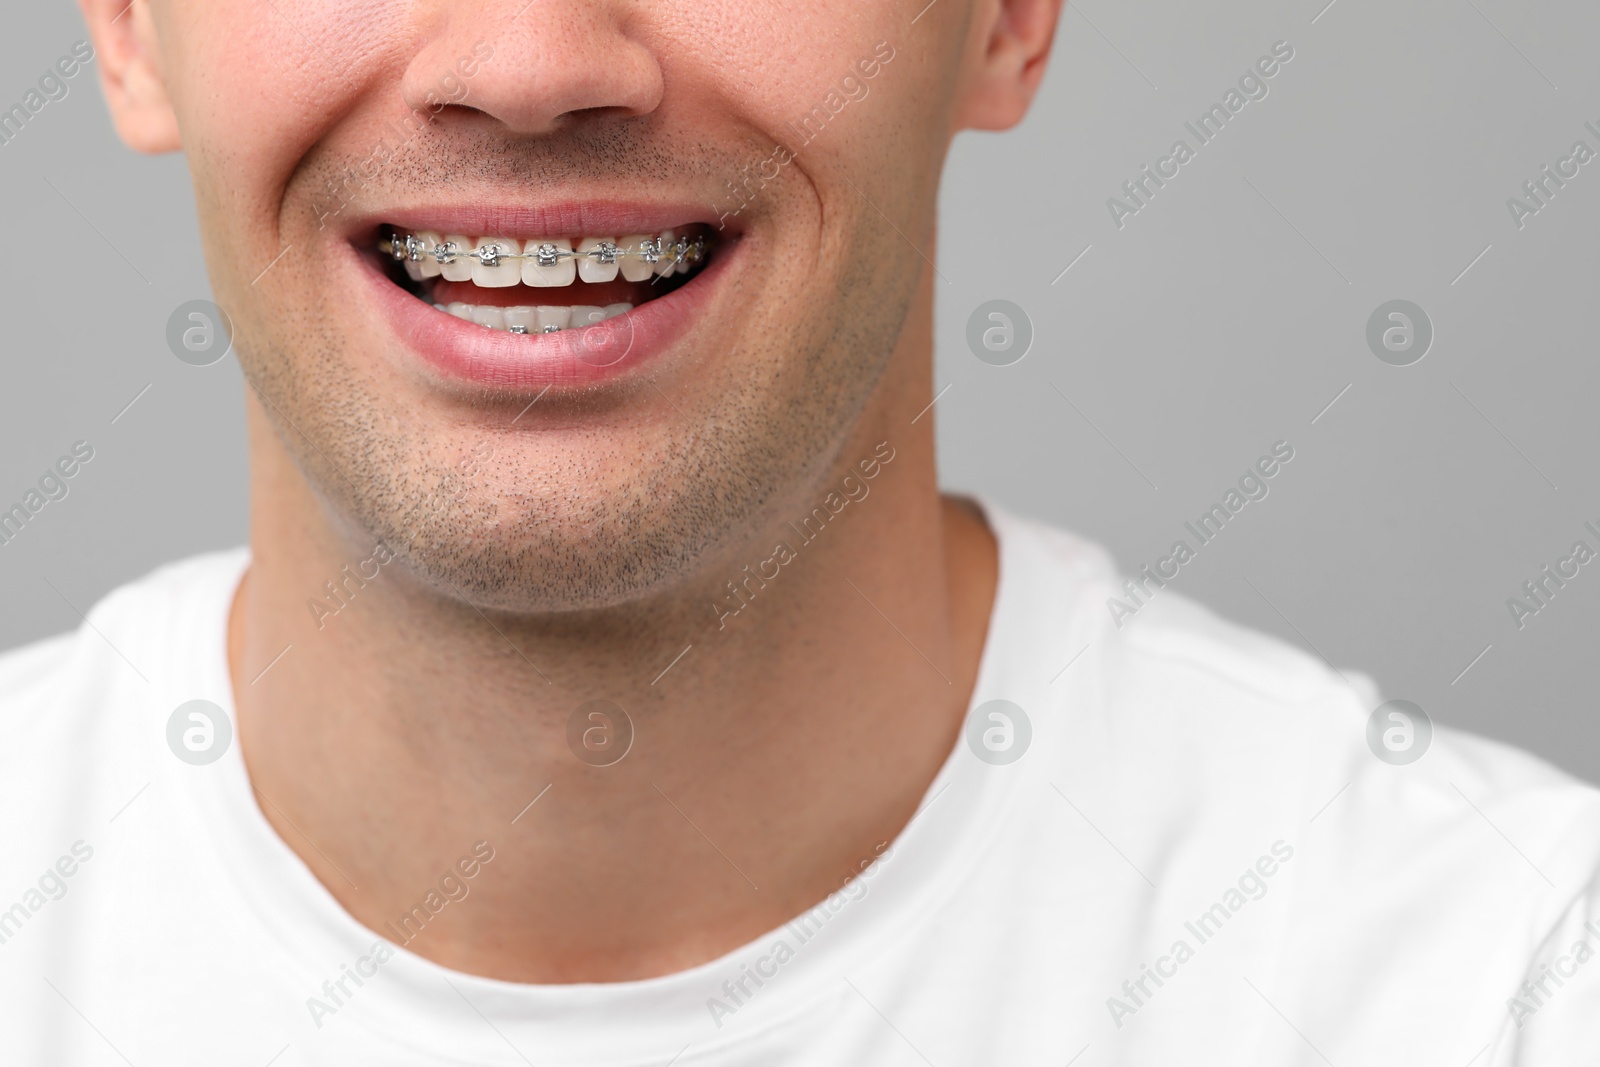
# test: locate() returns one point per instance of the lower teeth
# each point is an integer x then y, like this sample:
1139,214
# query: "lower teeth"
541,319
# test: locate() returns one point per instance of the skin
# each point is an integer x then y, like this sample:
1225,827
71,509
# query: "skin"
570,552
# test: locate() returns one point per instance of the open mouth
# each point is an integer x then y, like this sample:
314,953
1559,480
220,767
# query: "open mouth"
562,294
543,284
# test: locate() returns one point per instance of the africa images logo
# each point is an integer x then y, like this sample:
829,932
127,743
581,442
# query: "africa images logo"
53,485
1140,190
452,887
1252,487
1251,885
737,992
852,488
52,87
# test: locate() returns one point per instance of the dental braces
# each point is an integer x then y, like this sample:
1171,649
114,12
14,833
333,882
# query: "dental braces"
683,250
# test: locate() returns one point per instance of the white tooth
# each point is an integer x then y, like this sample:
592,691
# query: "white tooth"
458,269
559,317
429,239
613,310
563,273
634,268
492,317
460,310
592,270
526,317
504,273
664,265
413,270
586,315
443,307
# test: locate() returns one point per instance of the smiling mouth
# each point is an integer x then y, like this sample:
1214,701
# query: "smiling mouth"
543,284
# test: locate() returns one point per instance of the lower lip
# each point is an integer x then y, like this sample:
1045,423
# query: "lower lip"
466,352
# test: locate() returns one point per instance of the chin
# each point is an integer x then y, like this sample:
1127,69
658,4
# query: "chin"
562,548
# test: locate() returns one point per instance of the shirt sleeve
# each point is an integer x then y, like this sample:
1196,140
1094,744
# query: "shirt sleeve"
1553,1018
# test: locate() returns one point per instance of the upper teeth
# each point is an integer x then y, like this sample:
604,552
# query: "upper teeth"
544,261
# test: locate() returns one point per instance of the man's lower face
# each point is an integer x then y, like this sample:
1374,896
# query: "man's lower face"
566,368
544,418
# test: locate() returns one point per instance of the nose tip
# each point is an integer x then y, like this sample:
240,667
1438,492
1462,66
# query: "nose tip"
535,67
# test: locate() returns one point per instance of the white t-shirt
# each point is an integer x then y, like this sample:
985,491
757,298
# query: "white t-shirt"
1196,859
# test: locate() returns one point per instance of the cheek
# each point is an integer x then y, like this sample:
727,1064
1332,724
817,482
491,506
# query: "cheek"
255,87
787,59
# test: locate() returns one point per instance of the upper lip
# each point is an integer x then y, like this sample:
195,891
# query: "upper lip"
567,218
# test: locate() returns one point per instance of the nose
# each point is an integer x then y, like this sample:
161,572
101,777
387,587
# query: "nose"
535,65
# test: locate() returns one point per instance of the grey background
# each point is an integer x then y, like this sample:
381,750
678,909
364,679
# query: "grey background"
1224,316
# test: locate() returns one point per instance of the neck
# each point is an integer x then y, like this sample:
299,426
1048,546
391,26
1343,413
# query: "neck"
402,727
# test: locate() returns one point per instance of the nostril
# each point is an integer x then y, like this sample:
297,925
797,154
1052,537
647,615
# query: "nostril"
538,75
465,109
608,111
